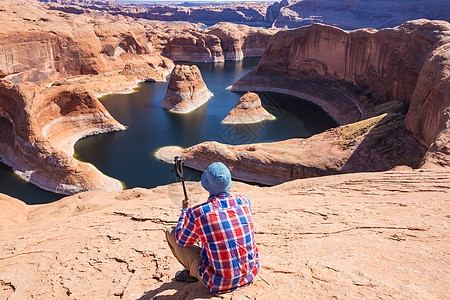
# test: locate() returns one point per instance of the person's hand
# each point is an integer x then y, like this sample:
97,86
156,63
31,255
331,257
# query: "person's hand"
186,203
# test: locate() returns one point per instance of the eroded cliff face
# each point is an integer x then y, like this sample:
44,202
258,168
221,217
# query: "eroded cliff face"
223,41
429,113
40,46
39,128
386,63
239,41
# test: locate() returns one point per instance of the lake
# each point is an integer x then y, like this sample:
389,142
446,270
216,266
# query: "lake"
129,155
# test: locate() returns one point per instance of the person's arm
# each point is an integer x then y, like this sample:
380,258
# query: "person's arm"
186,232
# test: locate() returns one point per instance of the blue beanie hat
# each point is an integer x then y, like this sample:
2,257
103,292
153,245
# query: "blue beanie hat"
217,178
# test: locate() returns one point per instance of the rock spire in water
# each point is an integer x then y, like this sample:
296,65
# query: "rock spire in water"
186,90
248,110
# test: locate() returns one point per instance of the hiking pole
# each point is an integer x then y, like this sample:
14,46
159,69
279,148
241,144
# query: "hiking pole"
179,173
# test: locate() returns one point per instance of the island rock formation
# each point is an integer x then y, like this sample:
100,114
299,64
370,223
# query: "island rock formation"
186,90
39,128
369,73
371,235
248,110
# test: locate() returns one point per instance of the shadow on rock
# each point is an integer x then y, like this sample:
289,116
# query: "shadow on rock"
386,145
178,290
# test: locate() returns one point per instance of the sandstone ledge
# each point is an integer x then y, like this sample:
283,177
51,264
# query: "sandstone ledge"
371,235
375,144
39,128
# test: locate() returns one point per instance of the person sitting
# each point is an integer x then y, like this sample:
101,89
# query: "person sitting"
227,258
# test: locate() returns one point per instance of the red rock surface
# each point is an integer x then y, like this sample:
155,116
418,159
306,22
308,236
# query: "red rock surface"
429,113
12,212
55,44
248,110
370,235
186,90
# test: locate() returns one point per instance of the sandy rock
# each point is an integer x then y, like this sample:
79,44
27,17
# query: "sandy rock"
39,128
248,110
371,235
186,90
12,211
429,112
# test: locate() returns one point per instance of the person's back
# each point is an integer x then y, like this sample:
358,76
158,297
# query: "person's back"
224,226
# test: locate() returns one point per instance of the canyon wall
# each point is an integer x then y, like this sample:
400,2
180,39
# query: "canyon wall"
407,63
429,113
223,41
41,46
39,128
386,63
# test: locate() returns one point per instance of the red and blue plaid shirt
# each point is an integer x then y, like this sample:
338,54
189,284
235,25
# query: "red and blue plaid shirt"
224,227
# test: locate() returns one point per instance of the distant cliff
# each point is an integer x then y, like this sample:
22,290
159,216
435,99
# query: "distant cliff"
354,14
347,14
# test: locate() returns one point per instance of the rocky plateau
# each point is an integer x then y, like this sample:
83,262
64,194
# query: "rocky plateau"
368,235
186,90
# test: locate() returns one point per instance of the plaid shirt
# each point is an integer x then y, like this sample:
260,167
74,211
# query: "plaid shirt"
224,227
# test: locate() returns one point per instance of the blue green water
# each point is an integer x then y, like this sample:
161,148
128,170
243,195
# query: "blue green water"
129,155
